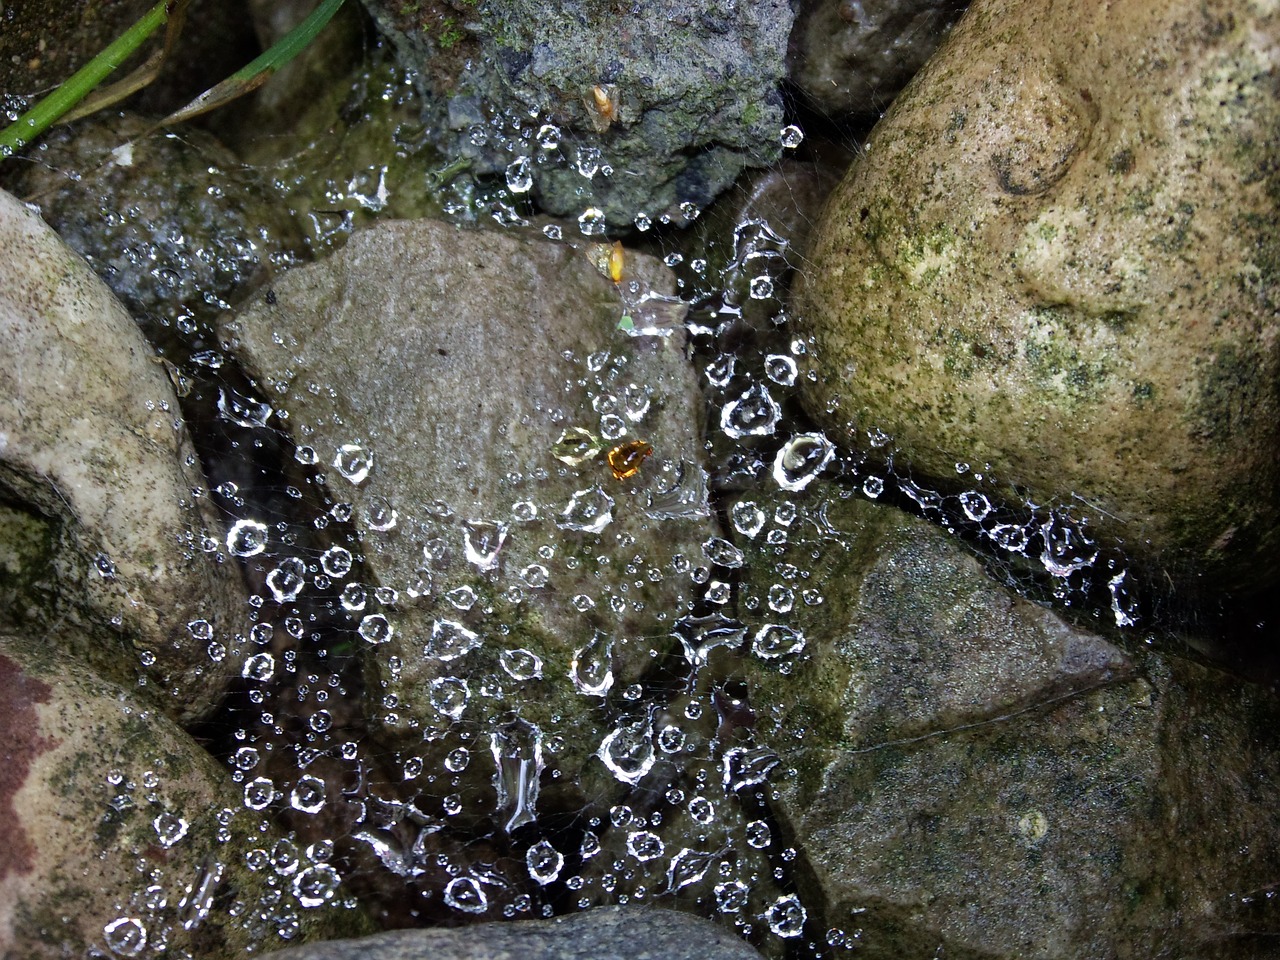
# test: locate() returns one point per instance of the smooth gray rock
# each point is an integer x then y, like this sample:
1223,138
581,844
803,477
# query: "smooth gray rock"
99,483
678,98
851,57
454,359
608,933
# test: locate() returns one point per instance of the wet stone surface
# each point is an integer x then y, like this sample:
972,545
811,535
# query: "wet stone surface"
636,110
518,604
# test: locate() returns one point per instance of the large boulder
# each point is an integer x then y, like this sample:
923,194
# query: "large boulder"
123,837
107,525
511,603
1057,259
965,773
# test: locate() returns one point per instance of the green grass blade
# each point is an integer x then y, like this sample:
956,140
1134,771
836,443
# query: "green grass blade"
260,70
45,113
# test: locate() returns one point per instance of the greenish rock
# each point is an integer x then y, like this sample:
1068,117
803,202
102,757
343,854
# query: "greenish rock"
430,370
177,226
626,933
852,58
104,527
965,773
675,98
1056,259
122,837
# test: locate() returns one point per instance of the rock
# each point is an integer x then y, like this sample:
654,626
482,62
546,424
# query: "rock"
964,773
176,226
910,637
1056,259
431,370
121,833
760,229
677,98
851,57
627,933
97,477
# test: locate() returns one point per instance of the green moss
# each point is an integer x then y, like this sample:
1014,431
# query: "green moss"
1231,392
450,34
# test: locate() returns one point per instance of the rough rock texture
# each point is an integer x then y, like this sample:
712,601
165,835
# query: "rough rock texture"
120,832
1057,258
453,359
97,474
176,226
853,56
967,774
610,933
688,92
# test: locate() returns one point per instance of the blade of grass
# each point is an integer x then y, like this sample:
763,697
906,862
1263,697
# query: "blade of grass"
261,69
47,112
139,78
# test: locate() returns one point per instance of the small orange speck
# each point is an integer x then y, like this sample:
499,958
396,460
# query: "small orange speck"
625,458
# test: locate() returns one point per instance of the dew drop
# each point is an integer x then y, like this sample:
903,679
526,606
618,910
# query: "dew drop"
780,368
589,511
748,518
791,136
126,936
801,459
519,175
353,462
591,668
307,795
287,580
484,542
336,561
722,553
258,793
544,862
450,640
645,845
316,885
773,641
260,667
170,828
628,750
247,538
375,628
521,664
754,414
786,916
449,696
